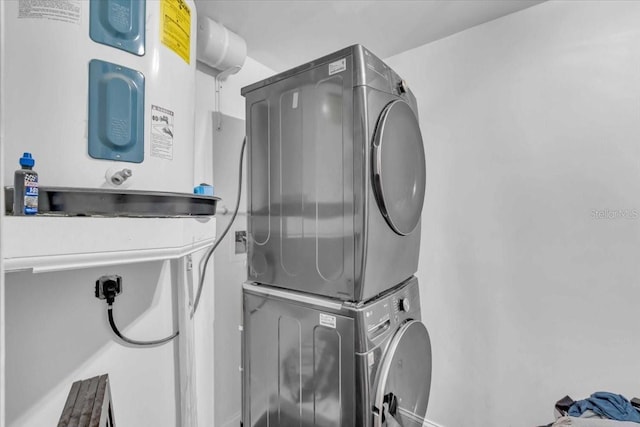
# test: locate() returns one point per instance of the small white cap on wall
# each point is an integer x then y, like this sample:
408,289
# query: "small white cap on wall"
218,47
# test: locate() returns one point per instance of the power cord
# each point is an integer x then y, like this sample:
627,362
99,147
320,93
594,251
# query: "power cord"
107,288
115,330
207,257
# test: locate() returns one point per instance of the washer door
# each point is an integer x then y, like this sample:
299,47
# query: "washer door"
399,172
404,379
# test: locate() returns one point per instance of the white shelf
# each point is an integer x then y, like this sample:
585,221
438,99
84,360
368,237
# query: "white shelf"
49,243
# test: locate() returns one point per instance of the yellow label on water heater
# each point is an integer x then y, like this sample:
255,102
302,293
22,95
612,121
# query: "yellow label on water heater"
175,28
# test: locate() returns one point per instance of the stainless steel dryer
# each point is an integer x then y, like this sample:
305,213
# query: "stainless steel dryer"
336,177
314,361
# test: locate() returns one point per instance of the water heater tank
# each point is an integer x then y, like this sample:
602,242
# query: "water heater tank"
101,92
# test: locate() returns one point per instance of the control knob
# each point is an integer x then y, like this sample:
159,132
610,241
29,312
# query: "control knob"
404,304
402,87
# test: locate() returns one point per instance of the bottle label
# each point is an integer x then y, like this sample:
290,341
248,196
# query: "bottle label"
30,194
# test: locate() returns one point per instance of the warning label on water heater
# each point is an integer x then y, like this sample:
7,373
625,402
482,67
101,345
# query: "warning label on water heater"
55,10
161,132
175,28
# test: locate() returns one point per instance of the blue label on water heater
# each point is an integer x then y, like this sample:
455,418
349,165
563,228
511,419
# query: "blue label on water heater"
119,24
116,112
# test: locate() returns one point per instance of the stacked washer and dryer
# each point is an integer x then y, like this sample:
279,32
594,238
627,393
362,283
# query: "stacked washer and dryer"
336,171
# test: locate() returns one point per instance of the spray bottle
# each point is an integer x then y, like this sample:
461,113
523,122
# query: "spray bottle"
25,187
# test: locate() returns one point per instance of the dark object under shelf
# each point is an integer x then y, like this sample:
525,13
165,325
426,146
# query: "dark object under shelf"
106,202
88,404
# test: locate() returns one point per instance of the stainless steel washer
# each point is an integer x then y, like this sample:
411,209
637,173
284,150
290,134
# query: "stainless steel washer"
336,177
314,361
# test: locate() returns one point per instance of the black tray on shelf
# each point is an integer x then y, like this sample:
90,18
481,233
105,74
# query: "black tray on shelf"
107,202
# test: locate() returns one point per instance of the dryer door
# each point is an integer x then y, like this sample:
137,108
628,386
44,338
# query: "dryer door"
398,167
404,379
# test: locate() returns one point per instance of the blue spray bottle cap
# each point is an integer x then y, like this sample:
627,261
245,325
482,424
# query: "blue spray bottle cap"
203,190
27,160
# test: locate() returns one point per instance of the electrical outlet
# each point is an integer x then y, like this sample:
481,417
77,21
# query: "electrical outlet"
108,287
241,242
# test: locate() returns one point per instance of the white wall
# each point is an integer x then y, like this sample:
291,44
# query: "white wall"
218,161
57,333
2,297
532,131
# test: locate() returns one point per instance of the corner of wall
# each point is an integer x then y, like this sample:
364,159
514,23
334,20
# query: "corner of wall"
2,347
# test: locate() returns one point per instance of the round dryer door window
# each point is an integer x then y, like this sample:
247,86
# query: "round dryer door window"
399,173
404,379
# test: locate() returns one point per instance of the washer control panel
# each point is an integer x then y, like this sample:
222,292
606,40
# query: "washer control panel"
377,318
390,310
405,302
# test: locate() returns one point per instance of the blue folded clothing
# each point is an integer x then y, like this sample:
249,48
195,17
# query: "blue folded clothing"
609,405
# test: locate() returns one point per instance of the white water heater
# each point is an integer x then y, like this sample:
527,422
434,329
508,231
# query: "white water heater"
101,92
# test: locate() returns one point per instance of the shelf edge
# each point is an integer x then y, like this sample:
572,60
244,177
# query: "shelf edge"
53,263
